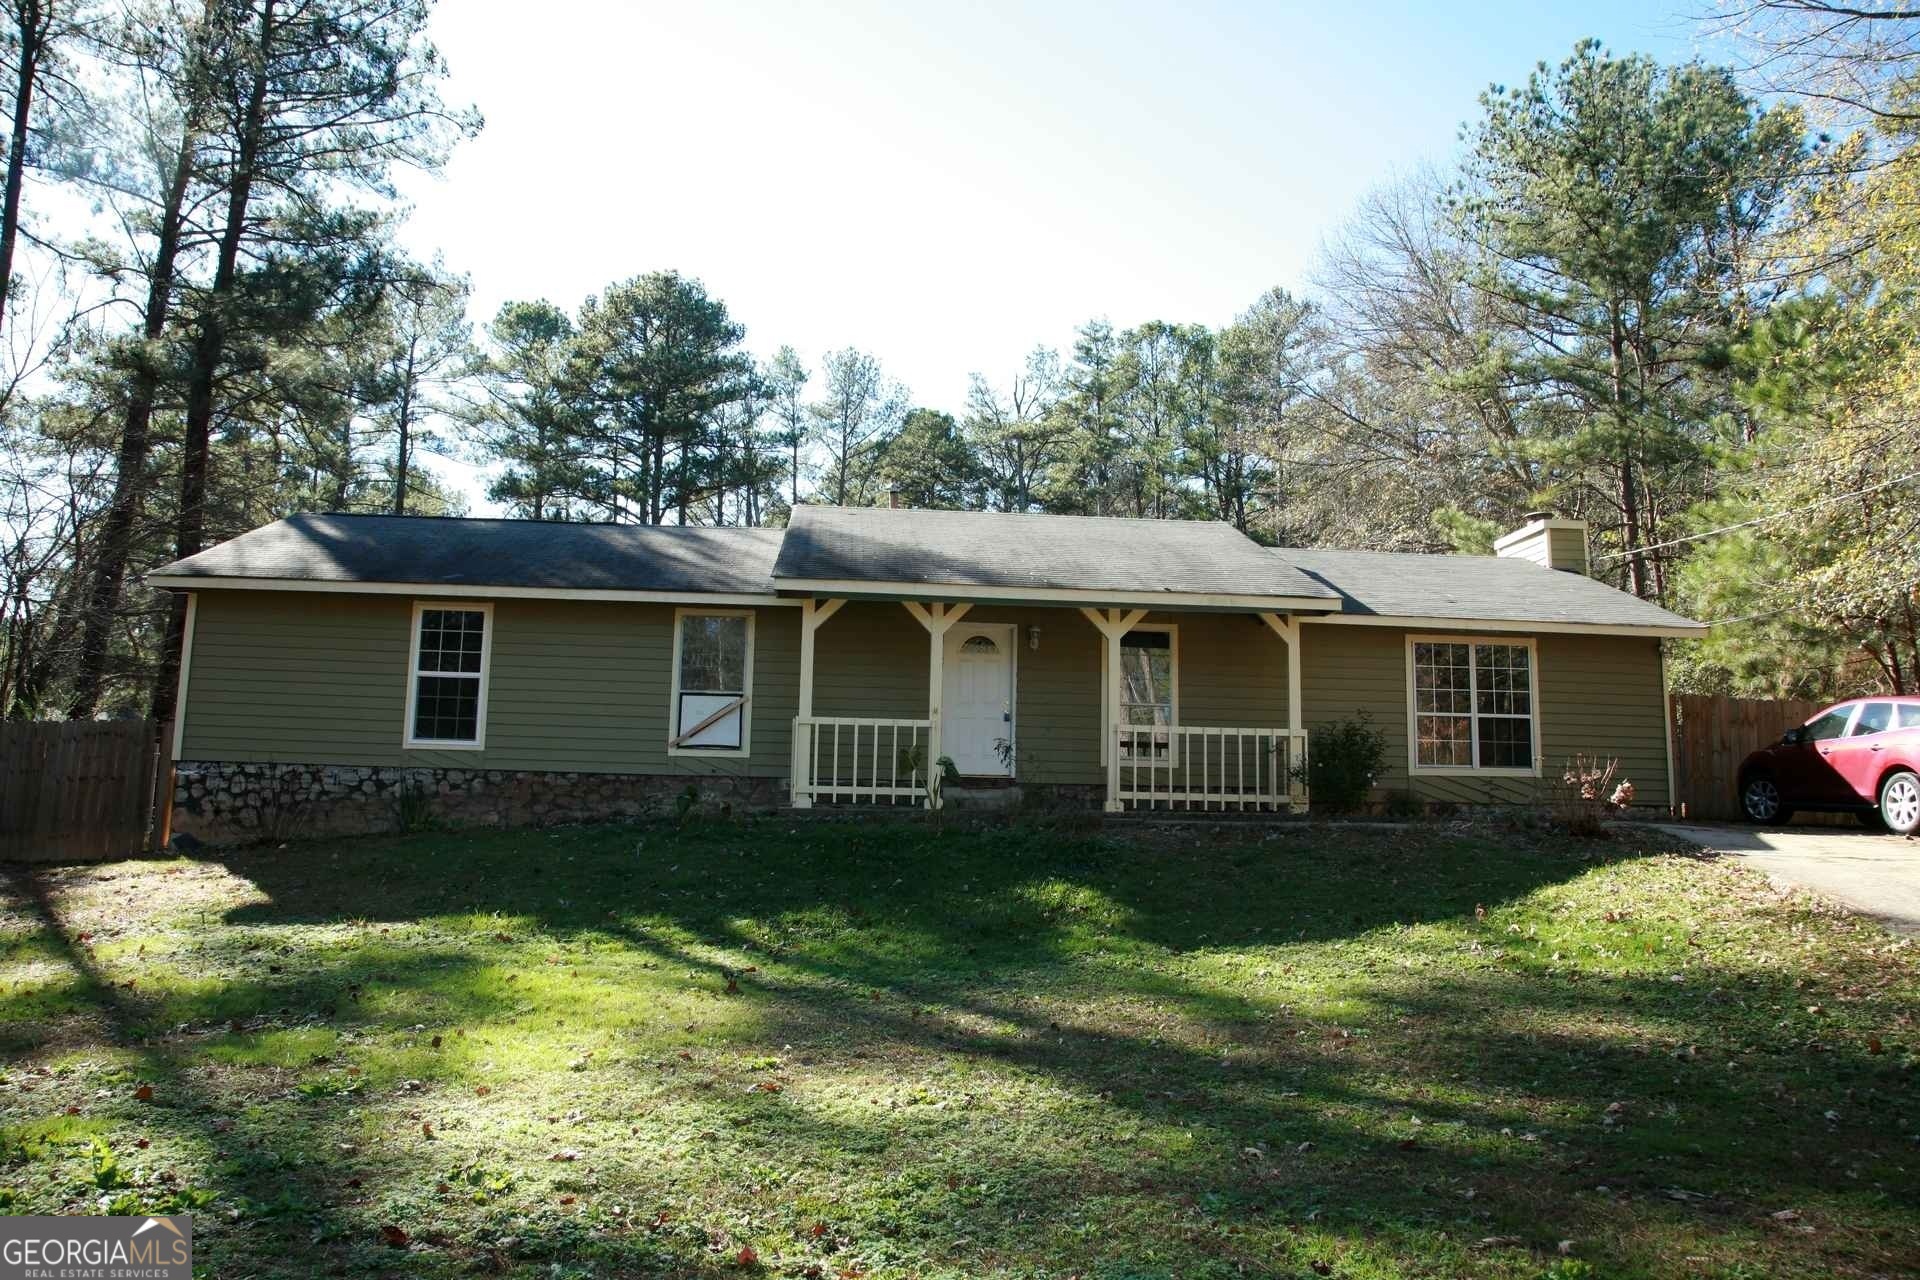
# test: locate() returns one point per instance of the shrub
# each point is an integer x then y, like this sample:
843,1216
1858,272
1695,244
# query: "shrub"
1586,795
1343,761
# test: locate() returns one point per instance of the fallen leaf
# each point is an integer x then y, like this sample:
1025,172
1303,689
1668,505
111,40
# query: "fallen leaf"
435,1042
144,1093
566,1154
1874,1045
567,1199
394,1237
747,1257
817,1230
481,1091
426,1130
142,1143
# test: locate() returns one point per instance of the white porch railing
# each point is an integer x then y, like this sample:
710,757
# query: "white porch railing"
1205,767
845,758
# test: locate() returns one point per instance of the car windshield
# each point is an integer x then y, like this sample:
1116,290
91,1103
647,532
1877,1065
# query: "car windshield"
1830,725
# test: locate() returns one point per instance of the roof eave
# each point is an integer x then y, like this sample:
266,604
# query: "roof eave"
1196,601
459,590
1520,626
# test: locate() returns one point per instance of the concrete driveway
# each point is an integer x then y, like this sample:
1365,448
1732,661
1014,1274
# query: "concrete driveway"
1876,875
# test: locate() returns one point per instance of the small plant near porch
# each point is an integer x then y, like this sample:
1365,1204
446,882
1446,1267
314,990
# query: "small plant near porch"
1344,761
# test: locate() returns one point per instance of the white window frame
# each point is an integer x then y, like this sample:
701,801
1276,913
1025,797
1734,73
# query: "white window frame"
1173,650
745,749
1532,646
479,743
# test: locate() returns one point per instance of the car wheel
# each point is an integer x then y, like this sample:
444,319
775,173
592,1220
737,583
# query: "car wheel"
1900,803
1760,800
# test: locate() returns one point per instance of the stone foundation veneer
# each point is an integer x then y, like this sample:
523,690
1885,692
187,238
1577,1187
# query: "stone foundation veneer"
220,802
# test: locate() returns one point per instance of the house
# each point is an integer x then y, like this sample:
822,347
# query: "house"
339,667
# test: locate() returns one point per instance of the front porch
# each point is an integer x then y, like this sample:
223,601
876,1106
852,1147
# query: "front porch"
1096,699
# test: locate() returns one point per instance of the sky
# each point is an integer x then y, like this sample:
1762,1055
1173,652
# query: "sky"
946,186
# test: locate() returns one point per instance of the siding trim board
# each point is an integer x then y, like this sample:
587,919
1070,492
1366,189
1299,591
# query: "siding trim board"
186,670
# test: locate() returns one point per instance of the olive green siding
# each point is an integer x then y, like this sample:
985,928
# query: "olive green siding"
322,679
1599,696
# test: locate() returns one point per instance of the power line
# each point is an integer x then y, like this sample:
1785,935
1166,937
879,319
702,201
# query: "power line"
1748,524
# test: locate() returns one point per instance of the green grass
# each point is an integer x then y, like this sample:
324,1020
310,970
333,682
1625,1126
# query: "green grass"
893,1050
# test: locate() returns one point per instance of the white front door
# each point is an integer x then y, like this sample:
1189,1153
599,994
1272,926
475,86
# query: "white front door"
976,713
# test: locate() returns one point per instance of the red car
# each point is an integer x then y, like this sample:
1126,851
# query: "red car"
1862,755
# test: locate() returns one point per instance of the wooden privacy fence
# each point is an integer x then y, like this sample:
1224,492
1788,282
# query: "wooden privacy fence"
83,789
1712,735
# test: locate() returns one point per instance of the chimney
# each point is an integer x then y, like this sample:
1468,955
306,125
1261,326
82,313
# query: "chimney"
1548,540
893,496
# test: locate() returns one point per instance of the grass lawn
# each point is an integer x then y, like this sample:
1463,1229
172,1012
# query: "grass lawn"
880,1050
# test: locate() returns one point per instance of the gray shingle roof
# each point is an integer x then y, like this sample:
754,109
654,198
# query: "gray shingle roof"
971,549
990,549
495,553
1478,588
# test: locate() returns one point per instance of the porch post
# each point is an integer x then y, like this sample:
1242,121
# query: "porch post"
1113,624
938,619
1111,716
936,684
813,615
1288,629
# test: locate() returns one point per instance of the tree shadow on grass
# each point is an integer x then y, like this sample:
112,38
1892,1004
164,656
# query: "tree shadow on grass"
895,956
302,1167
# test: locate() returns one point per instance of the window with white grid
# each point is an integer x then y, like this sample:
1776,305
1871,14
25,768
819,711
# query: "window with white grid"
1473,705
447,686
